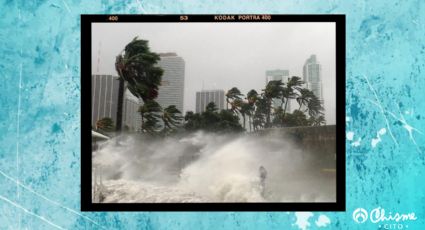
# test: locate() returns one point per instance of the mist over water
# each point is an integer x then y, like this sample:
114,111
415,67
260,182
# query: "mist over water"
205,167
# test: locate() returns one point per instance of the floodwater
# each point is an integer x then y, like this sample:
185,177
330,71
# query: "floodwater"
203,167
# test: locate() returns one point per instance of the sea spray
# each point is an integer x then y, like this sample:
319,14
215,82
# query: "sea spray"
212,168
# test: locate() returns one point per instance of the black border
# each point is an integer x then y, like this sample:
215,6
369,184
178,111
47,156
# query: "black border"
86,159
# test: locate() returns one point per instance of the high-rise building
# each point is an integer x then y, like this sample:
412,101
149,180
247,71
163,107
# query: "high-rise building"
132,119
206,96
171,91
276,75
104,91
312,76
105,102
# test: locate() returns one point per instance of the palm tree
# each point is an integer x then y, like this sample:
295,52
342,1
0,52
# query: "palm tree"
304,97
136,66
289,92
245,109
318,121
150,112
171,117
278,116
105,124
314,106
251,96
236,105
260,113
297,118
258,120
273,90
232,94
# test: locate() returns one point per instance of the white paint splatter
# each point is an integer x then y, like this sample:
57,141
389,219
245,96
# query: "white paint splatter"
322,221
378,139
379,105
382,131
350,135
406,126
375,141
356,143
302,219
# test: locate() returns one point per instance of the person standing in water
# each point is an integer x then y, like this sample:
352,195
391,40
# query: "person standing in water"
263,176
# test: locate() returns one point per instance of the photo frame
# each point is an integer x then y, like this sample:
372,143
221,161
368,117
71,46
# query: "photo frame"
86,102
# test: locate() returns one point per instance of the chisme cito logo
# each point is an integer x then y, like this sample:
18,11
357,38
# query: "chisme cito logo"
385,220
360,215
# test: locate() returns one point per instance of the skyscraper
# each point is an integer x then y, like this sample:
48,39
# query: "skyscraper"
132,119
105,102
312,76
104,91
206,96
276,75
171,91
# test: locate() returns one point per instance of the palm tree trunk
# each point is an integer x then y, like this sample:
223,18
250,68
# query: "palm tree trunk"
269,107
243,116
120,105
143,121
284,111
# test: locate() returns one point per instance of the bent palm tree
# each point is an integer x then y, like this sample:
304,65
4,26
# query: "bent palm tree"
136,65
273,90
245,109
172,118
290,91
232,94
251,96
105,124
318,121
314,106
304,97
150,112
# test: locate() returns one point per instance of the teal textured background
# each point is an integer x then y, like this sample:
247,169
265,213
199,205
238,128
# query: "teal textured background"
40,114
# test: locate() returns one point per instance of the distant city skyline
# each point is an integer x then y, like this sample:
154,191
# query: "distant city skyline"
226,55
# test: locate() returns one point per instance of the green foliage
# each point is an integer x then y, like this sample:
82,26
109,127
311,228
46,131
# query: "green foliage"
272,91
231,95
260,111
213,121
317,121
171,118
137,66
211,107
297,118
105,124
151,115
252,96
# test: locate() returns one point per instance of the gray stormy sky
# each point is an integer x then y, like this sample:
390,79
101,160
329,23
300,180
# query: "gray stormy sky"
224,55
